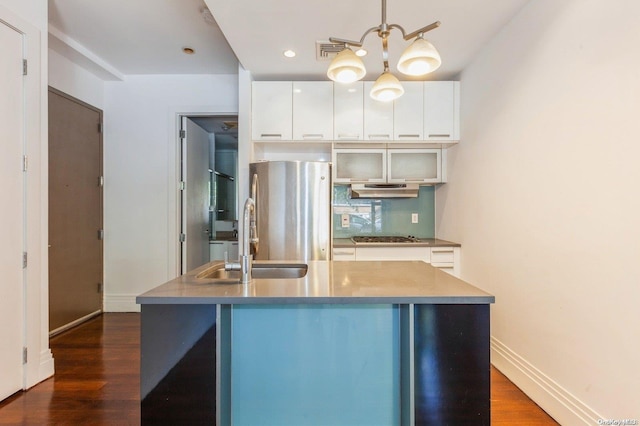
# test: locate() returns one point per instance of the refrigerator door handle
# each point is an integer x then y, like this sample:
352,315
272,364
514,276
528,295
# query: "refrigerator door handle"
253,237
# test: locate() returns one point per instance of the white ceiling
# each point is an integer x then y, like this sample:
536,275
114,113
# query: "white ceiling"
141,36
147,36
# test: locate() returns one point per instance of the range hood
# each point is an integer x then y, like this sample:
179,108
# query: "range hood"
384,190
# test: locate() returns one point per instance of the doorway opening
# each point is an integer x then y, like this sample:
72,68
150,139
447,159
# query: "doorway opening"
209,189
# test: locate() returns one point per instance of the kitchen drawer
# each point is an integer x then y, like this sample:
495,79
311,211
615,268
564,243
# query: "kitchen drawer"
344,253
393,253
443,255
446,259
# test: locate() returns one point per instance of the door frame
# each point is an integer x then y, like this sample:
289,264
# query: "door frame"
39,364
174,265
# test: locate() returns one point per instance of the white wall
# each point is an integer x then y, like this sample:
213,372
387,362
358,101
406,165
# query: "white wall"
140,155
543,195
73,80
31,19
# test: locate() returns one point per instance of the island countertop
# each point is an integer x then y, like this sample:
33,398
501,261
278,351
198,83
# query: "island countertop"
327,282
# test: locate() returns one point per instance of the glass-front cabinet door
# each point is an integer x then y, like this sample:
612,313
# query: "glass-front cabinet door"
359,165
414,165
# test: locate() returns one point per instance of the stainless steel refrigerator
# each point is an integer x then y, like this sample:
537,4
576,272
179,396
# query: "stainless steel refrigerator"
293,209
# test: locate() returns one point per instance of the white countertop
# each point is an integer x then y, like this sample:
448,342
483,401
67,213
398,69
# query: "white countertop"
395,282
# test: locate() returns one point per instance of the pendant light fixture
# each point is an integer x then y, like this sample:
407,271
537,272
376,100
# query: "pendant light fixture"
420,58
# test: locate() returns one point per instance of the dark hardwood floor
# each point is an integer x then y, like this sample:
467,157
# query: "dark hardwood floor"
97,382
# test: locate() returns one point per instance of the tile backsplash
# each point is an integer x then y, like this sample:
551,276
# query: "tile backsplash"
384,216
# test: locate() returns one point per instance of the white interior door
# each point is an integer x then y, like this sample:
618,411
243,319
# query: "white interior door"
195,196
12,211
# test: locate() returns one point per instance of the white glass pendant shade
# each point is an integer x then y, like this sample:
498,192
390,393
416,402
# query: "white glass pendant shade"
386,88
420,58
346,67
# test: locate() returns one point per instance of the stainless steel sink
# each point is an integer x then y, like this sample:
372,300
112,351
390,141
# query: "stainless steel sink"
259,270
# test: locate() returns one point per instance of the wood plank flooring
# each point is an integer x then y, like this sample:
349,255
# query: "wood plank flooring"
97,382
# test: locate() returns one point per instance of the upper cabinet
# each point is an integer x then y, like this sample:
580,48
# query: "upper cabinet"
348,112
324,111
393,165
378,117
442,110
312,110
408,113
271,110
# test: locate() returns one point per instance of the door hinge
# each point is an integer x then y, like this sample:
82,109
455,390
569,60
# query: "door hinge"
182,185
183,238
25,163
24,260
101,234
99,127
24,67
101,181
24,355
99,287
183,134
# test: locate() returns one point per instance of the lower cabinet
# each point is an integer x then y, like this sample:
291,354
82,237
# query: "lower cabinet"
217,249
444,258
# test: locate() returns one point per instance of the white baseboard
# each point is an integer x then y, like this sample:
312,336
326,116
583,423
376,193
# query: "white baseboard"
120,303
565,408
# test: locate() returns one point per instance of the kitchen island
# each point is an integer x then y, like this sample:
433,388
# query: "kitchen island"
375,343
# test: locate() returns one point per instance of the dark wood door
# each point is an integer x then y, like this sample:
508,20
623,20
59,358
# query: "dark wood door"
75,210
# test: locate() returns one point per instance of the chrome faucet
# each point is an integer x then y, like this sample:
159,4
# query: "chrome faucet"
249,236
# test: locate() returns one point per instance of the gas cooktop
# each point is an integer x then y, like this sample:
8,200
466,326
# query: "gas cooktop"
363,239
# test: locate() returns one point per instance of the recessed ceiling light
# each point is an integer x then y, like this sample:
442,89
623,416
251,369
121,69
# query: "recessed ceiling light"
361,52
289,53
188,50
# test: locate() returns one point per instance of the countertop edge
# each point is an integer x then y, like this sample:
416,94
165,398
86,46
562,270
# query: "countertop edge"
394,300
426,242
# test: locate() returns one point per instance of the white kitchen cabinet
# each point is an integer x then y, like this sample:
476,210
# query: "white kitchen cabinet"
346,253
218,248
359,165
414,165
393,253
348,111
408,113
442,110
312,110
393,165
271,110
446,259
378,117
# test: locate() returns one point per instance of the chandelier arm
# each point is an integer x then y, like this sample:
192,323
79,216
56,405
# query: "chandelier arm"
353,42
422,30
398,27
345,41
366,33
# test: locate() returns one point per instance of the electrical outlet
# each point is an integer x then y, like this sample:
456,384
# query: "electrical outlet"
414,217
345,220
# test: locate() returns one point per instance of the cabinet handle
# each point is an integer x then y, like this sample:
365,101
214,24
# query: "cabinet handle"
216,243
439,135
349,136
416,179
380,136
415,136
234,244
359,180
433,250
313,136
271,135
344,252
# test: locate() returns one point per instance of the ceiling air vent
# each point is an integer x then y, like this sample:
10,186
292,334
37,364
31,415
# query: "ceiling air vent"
325,50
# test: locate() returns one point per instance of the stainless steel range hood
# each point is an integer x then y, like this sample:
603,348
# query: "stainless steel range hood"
384,190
